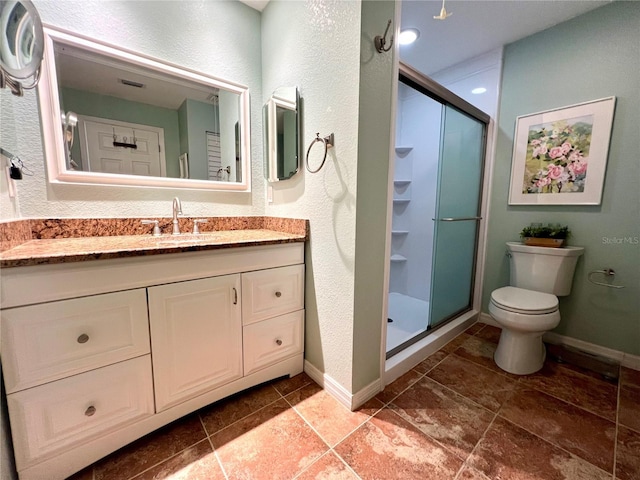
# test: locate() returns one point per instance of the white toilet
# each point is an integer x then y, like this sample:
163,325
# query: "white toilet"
529,307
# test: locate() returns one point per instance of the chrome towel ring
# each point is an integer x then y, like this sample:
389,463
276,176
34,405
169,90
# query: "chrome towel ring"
608,272
328,143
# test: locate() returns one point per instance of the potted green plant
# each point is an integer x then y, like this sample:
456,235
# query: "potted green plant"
551,235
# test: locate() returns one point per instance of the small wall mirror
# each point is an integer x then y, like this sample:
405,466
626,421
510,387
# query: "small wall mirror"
21,45
282,134
114,117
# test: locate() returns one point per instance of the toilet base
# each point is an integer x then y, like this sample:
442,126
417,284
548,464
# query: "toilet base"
520,353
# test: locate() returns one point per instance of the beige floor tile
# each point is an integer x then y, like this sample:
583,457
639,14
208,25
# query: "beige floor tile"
389,447
195,463
328,467
578,431
151,449
477,383
597,396
332,420
225,412
287,385
430,362
509,452
398,386
272,443
454,421
628,454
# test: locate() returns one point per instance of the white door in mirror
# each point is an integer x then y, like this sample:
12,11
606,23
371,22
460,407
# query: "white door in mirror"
104,148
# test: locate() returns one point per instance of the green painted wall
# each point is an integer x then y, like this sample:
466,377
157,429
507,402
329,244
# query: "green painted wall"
592,56
114,108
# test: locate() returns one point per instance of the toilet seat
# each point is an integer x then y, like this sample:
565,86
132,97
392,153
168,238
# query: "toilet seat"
520,300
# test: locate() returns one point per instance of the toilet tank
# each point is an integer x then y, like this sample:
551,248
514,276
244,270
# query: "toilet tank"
543,269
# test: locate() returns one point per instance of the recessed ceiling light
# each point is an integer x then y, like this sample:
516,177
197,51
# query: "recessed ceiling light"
478,91
409,36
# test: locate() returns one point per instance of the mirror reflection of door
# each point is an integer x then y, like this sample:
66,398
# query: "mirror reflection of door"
102,150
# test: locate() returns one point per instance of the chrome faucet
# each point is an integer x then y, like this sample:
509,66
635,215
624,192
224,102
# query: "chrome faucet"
177,210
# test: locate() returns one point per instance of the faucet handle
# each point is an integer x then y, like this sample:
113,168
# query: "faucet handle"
196,221
156,226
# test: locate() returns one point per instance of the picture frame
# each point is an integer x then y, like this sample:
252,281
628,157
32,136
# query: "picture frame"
560,155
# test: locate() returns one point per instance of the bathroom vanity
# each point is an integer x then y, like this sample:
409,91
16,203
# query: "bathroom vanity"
96,354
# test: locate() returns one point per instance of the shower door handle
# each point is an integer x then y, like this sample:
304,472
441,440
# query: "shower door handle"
459,219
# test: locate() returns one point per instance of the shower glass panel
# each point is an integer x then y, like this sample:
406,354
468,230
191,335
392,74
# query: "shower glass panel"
457,215
436,209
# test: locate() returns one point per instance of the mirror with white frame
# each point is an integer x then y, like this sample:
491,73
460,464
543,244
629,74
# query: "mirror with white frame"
281,116
114,117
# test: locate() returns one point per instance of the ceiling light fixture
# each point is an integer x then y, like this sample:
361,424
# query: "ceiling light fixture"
478,91
409,35
443,13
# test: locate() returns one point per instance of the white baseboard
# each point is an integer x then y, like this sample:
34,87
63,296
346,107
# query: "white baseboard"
625,359
346,398
365,394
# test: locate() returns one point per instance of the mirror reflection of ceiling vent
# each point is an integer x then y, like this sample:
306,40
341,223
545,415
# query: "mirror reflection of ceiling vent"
131,83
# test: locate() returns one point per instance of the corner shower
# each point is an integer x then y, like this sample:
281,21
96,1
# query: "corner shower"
437,190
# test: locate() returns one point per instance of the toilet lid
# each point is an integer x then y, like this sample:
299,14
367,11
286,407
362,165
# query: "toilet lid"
524,301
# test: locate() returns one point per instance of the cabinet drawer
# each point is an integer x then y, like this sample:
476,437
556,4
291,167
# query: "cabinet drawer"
46,342
52,418
272,340
272,292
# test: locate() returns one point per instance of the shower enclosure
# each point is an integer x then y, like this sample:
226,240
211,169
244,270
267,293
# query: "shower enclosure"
437,183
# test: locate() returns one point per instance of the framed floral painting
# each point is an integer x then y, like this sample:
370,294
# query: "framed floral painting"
560,156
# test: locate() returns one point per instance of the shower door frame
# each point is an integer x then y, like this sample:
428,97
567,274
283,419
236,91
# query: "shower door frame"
429,87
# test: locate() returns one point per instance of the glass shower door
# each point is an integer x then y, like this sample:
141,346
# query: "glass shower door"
462,143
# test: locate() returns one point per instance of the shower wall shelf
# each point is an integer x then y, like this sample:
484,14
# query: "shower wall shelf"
399,232
401,200
403,150
398,258
401,183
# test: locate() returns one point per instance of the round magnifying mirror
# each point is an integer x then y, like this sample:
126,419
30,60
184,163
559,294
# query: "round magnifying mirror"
21,40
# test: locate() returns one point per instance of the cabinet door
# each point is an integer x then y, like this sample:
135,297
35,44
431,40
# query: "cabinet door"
196,337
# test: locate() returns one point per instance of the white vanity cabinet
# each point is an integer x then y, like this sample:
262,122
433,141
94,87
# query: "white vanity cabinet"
97,354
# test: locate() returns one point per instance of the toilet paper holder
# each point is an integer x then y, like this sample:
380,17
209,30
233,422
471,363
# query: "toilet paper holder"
607,272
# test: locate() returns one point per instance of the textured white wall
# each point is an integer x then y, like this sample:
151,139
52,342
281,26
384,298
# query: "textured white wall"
315,45
220,38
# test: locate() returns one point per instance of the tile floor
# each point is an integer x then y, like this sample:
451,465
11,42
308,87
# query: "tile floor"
454,416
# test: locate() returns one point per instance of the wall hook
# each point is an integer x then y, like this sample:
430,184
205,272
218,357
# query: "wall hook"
380,42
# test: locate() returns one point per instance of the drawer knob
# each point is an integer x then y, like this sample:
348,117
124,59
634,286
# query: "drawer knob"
84,338
90,411
278,342
278,294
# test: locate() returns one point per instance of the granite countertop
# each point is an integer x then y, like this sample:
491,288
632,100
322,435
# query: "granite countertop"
63,248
